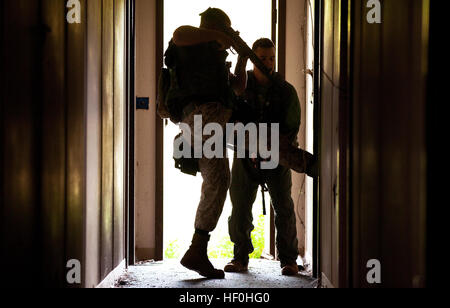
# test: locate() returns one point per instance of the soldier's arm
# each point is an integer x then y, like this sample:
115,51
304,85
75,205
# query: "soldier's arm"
188,36
239,79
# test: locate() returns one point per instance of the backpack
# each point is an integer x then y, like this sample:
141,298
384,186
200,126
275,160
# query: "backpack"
167,107
194,73
163,90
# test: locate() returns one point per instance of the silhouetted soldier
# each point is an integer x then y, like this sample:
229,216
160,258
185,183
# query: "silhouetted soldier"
266,102
201,85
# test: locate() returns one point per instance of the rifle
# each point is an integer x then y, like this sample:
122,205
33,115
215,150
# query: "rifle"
243,49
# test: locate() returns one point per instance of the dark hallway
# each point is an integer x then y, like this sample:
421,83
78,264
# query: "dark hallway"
81,186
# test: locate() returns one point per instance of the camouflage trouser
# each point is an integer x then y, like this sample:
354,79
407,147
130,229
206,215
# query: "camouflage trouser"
244,187
215,172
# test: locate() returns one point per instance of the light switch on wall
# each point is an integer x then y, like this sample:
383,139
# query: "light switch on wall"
142,103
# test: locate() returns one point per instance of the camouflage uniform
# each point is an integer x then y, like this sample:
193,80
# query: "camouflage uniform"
200,86
215,172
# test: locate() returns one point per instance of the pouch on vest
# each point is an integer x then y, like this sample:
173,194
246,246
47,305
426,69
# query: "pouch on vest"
186,165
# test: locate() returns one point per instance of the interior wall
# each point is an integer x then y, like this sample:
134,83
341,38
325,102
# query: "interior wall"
145,135
75,87
53,170
21,202
296,24
373,150
55,99
389,200
42,139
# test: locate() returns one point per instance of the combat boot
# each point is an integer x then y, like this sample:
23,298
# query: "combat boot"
196,258
236,266
290,269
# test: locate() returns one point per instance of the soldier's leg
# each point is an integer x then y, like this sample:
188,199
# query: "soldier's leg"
215,172
279,182
243,192
216,181
298,160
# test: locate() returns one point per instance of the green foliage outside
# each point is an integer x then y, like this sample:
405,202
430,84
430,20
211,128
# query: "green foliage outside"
258,238
223,249
173,250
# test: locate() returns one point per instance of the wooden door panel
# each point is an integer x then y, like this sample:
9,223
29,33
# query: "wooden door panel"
107,138
329,104
119,129
76,132
53,143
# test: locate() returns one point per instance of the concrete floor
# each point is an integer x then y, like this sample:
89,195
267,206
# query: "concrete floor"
170,274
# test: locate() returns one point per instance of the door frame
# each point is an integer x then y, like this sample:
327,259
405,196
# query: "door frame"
130,133
318,13
279,37
159,129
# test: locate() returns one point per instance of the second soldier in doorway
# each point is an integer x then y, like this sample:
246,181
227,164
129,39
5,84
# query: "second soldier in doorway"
265,102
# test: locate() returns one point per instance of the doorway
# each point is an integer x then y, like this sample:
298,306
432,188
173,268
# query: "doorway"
163,201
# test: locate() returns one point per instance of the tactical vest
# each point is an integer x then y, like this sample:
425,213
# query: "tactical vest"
250,110
270,110
198,74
